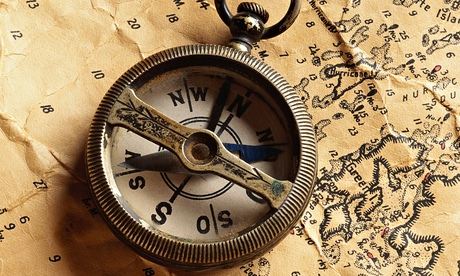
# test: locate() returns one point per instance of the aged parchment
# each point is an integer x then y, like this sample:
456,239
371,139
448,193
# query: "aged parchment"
380,79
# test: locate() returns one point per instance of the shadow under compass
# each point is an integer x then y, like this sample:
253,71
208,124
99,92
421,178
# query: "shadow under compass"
85,244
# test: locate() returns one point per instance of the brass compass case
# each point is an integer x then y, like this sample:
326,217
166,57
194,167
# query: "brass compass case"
285,200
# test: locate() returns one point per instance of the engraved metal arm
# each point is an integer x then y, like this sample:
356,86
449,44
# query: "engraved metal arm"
200,150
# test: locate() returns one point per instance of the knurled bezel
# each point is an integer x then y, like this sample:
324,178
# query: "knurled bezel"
179,253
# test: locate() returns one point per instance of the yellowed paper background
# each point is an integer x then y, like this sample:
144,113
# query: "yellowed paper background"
380,79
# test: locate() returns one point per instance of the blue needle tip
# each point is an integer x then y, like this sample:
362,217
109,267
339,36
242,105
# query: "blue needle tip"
251,154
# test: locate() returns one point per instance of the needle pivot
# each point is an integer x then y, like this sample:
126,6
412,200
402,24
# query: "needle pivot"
200,148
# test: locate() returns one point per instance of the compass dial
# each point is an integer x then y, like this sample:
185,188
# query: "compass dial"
201,156
250,122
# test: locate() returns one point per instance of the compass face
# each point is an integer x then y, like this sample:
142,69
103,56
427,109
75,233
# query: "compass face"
228,117
251,122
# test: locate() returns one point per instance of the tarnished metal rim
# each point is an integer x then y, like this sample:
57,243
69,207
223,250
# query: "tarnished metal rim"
185,254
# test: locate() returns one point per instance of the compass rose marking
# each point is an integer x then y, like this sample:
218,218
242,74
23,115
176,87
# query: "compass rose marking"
187,144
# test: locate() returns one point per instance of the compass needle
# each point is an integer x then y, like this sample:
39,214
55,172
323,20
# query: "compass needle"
253,153
161,161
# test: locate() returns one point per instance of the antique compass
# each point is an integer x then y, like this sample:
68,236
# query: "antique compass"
203,156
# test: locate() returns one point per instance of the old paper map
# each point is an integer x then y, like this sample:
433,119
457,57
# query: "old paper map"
379,78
